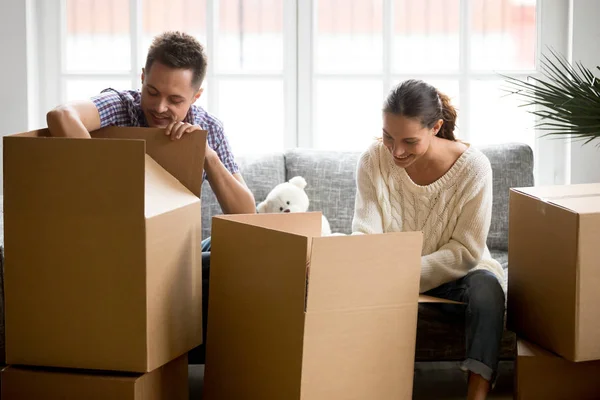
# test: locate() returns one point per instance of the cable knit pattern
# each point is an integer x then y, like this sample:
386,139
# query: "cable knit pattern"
454,213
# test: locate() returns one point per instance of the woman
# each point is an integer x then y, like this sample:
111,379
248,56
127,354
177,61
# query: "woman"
420,178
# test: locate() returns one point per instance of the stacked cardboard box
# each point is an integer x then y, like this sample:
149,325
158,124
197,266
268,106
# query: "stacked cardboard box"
103,264
293,315
553,289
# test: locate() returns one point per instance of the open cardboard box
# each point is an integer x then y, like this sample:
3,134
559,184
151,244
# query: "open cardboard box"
554,274
169,382
293,315
540,374
102,247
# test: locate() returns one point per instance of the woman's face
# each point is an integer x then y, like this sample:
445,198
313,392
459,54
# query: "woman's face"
406,139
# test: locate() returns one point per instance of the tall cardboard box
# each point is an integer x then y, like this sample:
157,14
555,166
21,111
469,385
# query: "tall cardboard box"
554,268
103,258
169,382
543,375
296,316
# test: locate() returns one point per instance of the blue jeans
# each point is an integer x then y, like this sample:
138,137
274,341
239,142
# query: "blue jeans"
484,297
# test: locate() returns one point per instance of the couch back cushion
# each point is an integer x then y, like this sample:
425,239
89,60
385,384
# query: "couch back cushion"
512,166
261,173
331,185
330,182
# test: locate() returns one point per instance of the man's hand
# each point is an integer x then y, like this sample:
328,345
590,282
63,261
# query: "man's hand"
177,129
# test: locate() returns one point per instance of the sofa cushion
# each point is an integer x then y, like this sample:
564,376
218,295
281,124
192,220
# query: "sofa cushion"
512,166
332,187
331,182
261,173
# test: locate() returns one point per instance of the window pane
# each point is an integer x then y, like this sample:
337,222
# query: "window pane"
250,36
347,113
98,37
159,16
496,117
503,34
252,112
348,36
426,35
81,89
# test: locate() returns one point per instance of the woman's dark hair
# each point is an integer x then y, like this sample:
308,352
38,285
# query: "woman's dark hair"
417,99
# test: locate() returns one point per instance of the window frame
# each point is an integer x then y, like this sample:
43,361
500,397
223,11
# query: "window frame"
299,75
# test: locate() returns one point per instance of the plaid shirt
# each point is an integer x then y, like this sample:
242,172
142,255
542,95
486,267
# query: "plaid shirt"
122,108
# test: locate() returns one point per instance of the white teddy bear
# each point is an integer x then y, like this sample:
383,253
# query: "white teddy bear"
290,197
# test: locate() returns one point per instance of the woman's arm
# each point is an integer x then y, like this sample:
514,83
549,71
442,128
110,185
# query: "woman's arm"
367,211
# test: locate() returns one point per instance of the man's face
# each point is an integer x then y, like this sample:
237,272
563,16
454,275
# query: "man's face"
167,94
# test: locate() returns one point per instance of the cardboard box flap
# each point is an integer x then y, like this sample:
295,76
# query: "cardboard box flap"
560,191
430,299
116,168
364,271
163,191
256,314
36,133
305,224
183,158
528,349
589,204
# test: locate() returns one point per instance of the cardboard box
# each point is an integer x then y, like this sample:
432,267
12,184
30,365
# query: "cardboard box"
103,258
543,375
169,382
296,316
554,268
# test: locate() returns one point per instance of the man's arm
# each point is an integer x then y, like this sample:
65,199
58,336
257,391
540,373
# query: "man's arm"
75,119
230,189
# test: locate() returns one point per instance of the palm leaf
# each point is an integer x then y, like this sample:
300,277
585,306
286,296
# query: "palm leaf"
565,99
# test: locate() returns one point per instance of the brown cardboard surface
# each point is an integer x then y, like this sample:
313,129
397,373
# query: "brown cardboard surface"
430,299
169,382
163,192
182,161
561,191
78,273
542,375
554,271
356,337
256,312
359,336
174,278
588,316
307,224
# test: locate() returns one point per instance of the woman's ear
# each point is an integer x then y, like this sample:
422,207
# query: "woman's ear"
437,126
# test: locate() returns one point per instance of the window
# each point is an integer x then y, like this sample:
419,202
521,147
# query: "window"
286,73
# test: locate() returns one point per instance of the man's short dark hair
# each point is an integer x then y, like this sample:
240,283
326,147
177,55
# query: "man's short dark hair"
178,50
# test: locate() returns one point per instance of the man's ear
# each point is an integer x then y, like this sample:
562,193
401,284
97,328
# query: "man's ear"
198,94
143,75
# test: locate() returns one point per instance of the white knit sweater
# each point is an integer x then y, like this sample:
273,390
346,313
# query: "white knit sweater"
454,213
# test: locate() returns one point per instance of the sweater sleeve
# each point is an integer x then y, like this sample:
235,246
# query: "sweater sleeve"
367,211
468,241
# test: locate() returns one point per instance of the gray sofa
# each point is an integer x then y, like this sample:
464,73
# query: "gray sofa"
331,189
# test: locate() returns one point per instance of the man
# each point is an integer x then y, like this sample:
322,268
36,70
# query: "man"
171,83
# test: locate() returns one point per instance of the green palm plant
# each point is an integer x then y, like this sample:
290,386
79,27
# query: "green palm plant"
566,99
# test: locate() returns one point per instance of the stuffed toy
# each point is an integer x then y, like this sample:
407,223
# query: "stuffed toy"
290,197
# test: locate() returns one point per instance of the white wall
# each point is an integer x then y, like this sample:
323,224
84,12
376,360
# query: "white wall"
585,33
17,77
